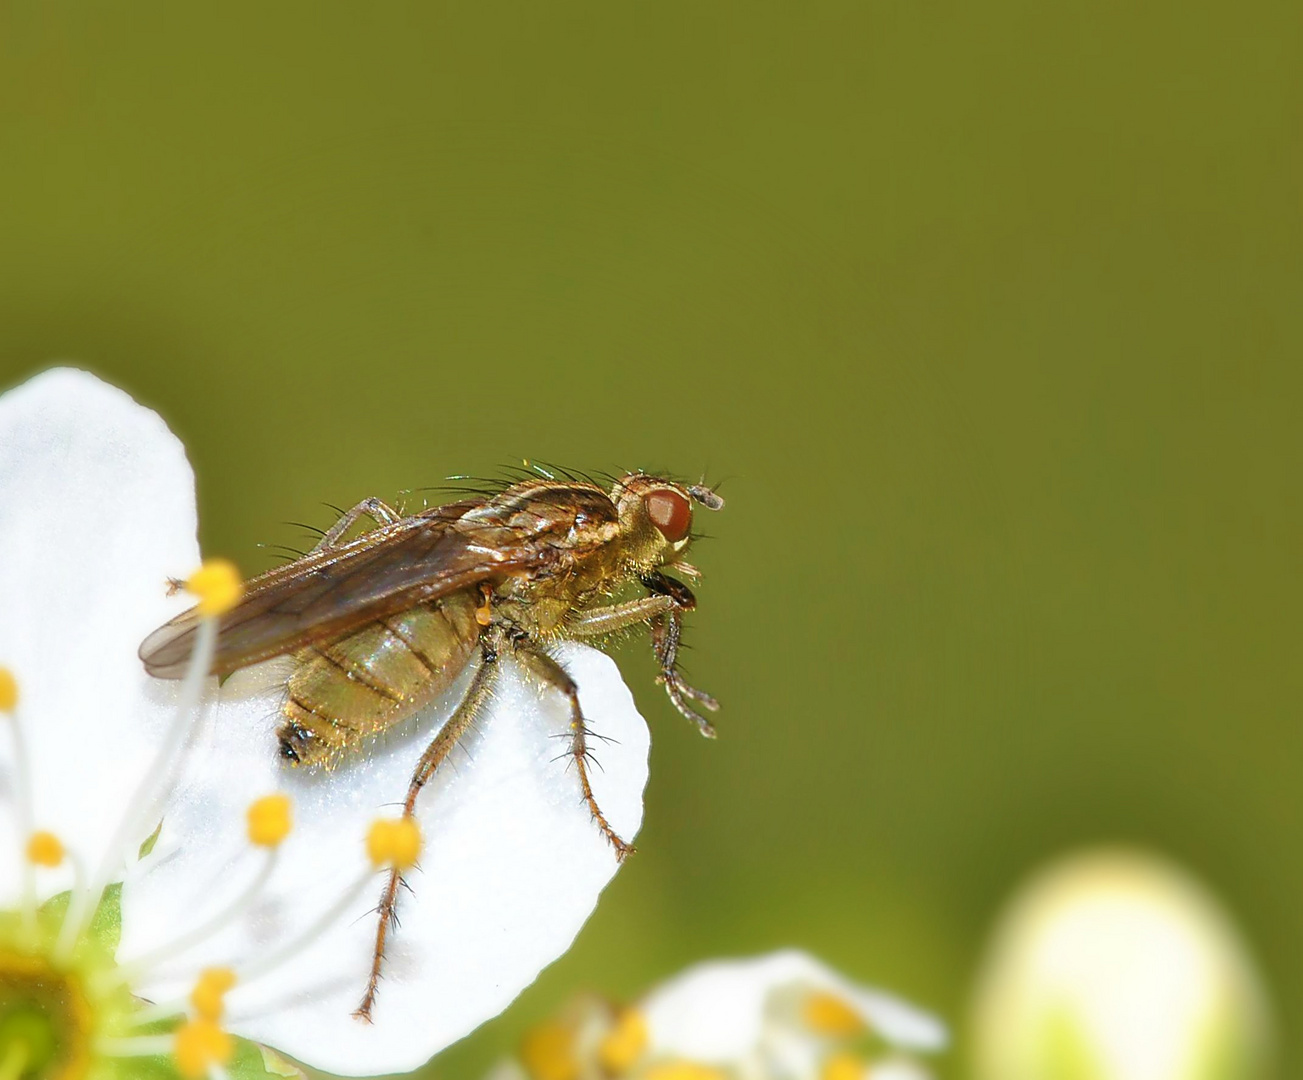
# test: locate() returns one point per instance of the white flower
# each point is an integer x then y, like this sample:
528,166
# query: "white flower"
96,512
784,1016
1117,966
96,509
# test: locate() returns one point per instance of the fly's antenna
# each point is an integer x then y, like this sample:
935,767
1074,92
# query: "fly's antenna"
706,497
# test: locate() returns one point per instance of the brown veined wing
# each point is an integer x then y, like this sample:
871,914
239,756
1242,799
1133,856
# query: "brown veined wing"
387,570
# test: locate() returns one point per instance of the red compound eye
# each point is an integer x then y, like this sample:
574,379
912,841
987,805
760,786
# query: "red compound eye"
671,513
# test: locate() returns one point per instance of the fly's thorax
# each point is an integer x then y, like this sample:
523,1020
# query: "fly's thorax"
542,605
366,681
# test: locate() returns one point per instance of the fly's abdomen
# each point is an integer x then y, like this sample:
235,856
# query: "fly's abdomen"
362,683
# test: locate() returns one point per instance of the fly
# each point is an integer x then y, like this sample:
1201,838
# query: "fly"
380,625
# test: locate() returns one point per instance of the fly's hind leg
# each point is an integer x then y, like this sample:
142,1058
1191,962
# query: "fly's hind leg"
376,509
461,721
553,675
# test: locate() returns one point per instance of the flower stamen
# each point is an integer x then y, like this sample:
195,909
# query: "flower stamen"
209,995
394,843
135,1046
843,1065
212,584
217,586
45,849
269,963
22,792
199,1046
8,691
269,823
269,820
684,1070
391,843
548,1052
828,1014
624,1045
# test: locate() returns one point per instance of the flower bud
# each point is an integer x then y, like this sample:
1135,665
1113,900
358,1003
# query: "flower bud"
1115,965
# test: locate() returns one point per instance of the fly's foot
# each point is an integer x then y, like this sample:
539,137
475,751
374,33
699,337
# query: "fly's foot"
680,693
623,849
387,909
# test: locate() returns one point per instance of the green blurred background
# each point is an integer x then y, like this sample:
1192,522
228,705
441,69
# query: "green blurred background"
990,315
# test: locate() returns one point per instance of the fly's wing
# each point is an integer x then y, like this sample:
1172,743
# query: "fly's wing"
388,570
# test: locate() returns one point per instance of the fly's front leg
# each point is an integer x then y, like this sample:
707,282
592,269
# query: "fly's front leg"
553,675
461,721
377,510
666,630
605,620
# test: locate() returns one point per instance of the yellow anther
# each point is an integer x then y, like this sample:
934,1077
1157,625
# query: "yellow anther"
548,1052
44,849
8,690
684,1070
209,995
394,842
828,1014
218,586
201,1044
843,1066
269,820
622,1048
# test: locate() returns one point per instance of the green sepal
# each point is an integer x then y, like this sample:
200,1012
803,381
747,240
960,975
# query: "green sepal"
147,845
254,1062
248,1064
251,1061
279,1066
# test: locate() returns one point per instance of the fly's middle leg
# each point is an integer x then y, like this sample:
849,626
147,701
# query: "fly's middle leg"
553,675
461,721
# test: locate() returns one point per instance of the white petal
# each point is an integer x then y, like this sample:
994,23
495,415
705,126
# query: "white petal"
512,866
898,1069
96,510
716,1012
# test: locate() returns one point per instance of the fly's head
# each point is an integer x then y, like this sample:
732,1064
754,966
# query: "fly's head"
656,518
